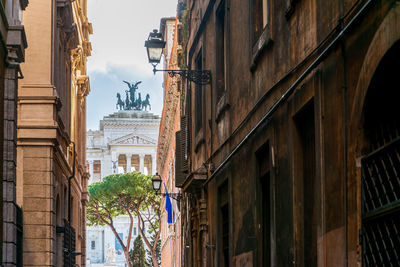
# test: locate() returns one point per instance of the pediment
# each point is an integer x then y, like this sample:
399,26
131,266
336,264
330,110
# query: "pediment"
134,139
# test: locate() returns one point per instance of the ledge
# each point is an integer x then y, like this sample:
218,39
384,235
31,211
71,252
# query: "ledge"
221,107
195,180
263,42
16,40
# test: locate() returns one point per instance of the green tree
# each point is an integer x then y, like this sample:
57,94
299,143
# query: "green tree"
129,194
138,254
158,250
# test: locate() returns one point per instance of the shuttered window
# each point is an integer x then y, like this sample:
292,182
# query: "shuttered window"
179,176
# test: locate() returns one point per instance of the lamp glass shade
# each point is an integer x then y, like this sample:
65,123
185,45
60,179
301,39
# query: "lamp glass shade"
156,185
156,182
154,54
154,45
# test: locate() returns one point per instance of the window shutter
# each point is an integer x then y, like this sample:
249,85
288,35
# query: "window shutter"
179,175
183,147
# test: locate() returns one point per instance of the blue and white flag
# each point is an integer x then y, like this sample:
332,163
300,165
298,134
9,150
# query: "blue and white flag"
168,207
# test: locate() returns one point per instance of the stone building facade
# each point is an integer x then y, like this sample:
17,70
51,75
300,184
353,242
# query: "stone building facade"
51,172
12,46
171,241
125,142
292,150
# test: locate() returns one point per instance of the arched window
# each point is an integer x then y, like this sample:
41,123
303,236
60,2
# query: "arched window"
381,164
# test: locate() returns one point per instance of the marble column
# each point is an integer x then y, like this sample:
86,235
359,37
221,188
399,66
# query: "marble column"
141,163
153,164
128,162
102,170
91,169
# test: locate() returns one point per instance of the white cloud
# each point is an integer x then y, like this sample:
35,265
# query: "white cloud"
120,28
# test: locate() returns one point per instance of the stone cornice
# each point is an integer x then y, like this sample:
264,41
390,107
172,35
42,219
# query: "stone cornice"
133,139
132,122
129,123
171,103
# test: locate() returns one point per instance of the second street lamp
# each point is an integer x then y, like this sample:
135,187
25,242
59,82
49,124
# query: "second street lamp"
155,44
157,181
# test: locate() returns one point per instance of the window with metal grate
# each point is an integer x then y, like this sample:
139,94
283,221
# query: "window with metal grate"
381,206
380,179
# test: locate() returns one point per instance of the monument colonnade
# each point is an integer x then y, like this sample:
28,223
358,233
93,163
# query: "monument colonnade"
128,161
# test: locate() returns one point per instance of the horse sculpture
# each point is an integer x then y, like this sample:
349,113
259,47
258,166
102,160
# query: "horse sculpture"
146,103
120,103
132,89
131,102
138,103
127,101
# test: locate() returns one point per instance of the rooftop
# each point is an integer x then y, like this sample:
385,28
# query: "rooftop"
132,114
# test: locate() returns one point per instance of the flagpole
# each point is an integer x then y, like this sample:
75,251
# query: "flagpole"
170,245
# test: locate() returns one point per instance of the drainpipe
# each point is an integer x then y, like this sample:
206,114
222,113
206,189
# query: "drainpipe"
70,252
69,183
345,146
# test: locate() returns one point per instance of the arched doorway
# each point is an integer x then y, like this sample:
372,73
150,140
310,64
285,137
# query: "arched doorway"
381,164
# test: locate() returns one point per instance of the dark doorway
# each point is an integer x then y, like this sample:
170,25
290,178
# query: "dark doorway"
306,189
264,192
224,223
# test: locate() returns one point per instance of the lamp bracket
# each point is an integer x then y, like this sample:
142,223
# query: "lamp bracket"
201,77
176,196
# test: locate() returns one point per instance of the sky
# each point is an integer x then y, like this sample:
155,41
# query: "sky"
120,28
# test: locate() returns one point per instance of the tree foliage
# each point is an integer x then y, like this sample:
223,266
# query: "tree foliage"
129,194
138,254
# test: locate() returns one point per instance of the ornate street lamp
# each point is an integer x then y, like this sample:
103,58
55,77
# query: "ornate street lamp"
156,181
155,44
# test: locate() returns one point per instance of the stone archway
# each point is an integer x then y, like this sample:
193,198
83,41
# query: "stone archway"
385,38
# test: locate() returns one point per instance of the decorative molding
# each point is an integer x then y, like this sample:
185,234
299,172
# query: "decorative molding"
134,139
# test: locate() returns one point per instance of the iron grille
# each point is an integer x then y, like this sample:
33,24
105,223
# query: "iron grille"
381,206
69,246
20,237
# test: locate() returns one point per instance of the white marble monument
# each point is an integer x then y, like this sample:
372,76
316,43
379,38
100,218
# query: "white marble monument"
126,141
